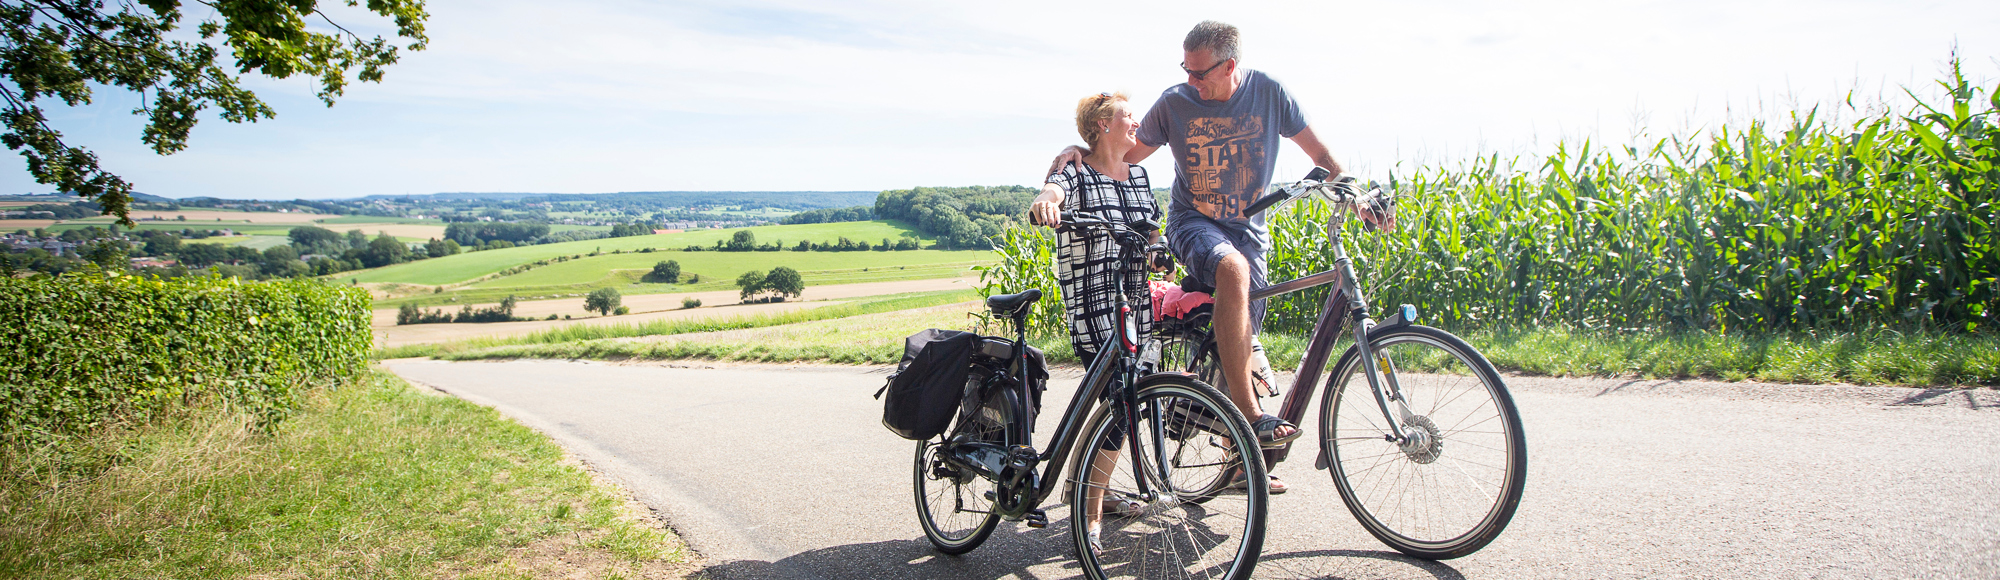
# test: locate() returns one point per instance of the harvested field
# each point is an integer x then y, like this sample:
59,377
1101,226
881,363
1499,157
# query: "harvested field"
645,308
418,231
11,225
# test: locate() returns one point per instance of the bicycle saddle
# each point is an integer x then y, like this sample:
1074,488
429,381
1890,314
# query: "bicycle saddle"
1013,304
1189,284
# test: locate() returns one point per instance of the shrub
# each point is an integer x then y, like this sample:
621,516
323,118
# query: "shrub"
622,310
602,301
91,349
667,271
690,302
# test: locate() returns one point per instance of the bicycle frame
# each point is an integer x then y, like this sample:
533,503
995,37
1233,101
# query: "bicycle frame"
1344,305
1110,369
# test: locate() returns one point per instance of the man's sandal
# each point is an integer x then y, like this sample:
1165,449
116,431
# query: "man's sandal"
1278,486
1267,427
1122,507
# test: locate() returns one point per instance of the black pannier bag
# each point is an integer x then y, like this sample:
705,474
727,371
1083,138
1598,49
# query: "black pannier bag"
929,383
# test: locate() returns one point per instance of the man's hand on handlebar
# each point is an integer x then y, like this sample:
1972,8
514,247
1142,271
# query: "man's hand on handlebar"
1374,210
1381,220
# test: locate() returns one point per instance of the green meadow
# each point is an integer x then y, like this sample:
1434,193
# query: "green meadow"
472,265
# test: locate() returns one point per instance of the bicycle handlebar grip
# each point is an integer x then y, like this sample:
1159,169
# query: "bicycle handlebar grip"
1266,202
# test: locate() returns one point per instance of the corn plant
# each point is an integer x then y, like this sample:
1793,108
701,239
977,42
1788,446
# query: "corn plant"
1886,222
1027,260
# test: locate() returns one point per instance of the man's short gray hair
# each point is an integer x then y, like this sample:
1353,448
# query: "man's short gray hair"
1217,37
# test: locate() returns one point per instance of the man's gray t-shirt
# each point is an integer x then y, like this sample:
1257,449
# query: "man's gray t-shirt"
1224,151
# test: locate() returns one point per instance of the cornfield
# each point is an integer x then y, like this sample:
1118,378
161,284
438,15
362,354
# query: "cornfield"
1883,223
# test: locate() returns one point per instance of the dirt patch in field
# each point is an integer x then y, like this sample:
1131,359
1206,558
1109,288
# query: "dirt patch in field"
645,308
398,230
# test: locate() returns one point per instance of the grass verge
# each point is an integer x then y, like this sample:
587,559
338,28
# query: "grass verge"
375,480
581,332
1885,358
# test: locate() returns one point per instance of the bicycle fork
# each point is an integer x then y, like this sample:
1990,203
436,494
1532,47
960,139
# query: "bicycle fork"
1380,370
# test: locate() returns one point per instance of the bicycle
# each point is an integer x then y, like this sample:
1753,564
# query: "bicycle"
1432,462
982,469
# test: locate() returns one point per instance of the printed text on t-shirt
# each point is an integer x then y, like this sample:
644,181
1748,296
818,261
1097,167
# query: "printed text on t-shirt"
1220,163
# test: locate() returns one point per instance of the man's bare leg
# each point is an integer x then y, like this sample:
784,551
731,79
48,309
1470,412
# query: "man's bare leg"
1231,324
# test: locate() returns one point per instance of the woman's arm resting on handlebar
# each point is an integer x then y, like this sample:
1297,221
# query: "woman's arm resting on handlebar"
1047,207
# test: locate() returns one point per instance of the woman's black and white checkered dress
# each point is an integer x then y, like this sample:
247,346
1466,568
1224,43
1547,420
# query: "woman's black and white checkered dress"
1084,259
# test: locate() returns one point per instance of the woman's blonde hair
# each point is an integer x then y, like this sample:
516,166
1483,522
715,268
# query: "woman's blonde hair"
1094,108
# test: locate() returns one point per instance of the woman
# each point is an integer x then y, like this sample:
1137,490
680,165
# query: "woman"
1106,186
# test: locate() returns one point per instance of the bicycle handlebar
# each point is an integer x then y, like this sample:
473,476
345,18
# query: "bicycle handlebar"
1341,190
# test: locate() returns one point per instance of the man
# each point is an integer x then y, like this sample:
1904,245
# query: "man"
1223,126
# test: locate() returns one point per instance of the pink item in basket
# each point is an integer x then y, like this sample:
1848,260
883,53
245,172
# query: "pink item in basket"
1170,300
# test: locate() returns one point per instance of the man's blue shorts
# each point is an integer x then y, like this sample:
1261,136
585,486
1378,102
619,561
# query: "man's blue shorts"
1200,244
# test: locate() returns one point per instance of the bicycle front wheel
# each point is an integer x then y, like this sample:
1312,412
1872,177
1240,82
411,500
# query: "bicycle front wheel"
1451,488
955,506
1154,529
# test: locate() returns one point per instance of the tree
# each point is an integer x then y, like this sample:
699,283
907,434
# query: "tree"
61,48
108,254
668,272
785,282
437,248
743,241
385,250
602,301
751,282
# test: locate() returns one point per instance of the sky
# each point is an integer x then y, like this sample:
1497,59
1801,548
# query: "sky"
592,96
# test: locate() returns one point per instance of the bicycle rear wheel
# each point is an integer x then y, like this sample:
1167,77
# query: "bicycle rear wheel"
1450,490
1169,535
956,506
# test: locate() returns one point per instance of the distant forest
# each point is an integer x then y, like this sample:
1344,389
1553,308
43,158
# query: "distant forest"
959,217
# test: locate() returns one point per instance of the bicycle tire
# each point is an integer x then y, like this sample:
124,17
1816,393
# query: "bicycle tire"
1157,540
962,529
1380,480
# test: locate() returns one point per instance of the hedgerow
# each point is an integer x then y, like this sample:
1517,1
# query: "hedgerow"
87,350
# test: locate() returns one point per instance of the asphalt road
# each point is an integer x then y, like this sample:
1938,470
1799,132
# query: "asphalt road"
784,472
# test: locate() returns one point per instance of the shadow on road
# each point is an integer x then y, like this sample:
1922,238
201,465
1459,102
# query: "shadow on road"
1345,564
1941,397
899,559
1012,556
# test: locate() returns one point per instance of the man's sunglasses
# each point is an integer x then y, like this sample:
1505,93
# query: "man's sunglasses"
1203,73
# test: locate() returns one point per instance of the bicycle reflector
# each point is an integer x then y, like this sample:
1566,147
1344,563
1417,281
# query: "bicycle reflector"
1409,313
1128,331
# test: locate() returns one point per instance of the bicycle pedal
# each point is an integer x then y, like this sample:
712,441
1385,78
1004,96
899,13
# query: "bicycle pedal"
1036,519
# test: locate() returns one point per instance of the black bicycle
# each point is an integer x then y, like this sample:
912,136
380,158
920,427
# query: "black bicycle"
1418,429
1131,442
